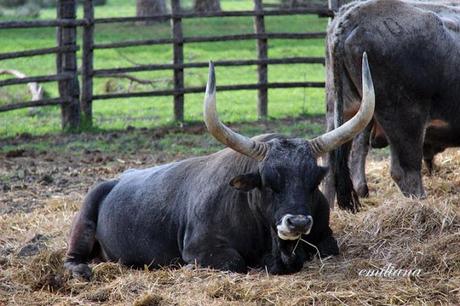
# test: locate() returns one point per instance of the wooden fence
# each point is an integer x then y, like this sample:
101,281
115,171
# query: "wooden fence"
76,102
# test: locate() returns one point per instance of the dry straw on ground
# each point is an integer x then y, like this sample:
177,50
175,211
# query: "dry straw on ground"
405,233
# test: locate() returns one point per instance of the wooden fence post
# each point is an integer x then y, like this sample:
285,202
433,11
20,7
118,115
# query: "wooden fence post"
178,58
333,5
68,88
262,69
86,102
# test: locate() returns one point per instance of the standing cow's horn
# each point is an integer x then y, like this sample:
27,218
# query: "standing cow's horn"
333,139
222,133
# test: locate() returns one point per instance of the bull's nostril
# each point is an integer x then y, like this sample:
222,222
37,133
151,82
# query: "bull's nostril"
301,223
298,223
289,223
292,226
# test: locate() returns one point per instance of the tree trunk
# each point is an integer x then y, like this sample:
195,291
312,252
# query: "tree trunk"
203,6
150,7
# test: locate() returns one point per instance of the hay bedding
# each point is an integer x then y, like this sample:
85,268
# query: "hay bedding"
405,233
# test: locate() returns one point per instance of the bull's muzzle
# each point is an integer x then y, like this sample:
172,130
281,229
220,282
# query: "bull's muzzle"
292,227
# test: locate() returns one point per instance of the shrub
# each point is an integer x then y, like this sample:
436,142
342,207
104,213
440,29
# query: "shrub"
12,3
52,3
41,3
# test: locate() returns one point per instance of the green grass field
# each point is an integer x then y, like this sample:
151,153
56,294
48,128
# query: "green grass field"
236,106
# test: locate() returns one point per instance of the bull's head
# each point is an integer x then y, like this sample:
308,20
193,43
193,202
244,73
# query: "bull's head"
288,174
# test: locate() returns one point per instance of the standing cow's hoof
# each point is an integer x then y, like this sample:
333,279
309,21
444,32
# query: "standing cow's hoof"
362,191
409,182
429,165
79,270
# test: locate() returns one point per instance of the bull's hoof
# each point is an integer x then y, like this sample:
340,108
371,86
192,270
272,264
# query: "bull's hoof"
328,247
190,267
79,270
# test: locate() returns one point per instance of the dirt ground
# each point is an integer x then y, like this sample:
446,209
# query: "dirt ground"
40,191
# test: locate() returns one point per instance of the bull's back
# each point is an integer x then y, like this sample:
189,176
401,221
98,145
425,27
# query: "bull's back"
152,214
139,220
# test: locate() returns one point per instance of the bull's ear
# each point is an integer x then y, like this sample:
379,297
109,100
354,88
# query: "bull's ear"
246,182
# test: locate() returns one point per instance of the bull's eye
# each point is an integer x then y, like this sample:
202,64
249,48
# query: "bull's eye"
273,186
270,182
274,189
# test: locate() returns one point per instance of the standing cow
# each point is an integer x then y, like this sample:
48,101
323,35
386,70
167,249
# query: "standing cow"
414,50
245,206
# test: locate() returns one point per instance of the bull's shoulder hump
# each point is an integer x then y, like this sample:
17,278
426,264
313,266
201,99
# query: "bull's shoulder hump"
145,173
165,169
147,170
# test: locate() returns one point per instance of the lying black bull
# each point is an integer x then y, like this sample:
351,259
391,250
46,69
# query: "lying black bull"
227,211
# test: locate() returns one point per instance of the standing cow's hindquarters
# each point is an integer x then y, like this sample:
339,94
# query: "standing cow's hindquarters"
413,49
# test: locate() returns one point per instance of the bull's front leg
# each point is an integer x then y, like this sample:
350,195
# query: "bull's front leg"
326,246
321,235
206,254
286,256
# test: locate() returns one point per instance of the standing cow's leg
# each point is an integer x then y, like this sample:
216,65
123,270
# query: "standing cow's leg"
82,239
329,180
428,157
357,161
342,103
406,136
429,152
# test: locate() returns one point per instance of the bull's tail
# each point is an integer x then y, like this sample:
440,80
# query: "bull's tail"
347,198
82,240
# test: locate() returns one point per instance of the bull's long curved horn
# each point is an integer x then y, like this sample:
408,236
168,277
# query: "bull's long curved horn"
333,139
222,133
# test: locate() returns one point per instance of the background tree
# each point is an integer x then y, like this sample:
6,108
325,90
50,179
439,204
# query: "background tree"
12,3
310,3
301,3
41,3
150,7
203,6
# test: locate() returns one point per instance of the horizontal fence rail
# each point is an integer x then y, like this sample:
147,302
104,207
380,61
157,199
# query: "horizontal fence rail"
201,89
76,101
36,52
42,23
42,102
322,12
36,79
202,39
227,63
